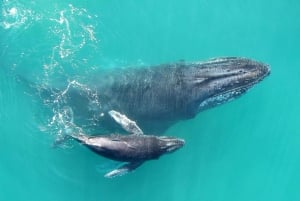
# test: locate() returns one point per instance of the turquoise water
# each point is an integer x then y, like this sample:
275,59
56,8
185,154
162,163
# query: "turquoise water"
246,150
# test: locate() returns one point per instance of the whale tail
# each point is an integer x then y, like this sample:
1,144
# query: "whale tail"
62,140
65,128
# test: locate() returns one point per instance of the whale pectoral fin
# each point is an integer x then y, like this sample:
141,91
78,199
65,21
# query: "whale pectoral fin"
124,169
127,124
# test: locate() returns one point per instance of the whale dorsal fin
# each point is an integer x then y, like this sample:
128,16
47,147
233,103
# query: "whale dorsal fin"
127,124
124,169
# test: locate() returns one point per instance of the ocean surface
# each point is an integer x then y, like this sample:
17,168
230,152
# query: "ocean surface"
244,150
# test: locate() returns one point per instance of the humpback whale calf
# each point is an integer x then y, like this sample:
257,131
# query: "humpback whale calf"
158,96
134,149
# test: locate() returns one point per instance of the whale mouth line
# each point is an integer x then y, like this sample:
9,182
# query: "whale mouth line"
238,89
257,75
231,94
245,86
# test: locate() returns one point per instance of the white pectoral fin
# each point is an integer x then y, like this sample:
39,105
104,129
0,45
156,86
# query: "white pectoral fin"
127,124
124,169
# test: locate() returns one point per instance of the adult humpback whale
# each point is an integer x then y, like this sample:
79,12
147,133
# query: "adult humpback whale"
158,96
134,149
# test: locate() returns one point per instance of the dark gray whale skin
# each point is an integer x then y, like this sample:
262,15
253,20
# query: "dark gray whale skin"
157,97
130,148
133,149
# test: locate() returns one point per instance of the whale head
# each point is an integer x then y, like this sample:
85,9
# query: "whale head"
170,144
220,80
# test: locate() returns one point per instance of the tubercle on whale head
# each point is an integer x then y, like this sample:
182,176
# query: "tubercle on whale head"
220,80
171,144
228,69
